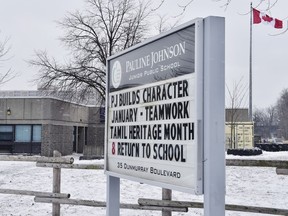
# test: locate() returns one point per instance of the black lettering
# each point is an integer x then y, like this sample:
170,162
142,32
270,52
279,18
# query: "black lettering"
129,98
138,131
182,155
177,153
168,111
124,115
155,151
128,149
179,131
118,132
111,131
148,150
169,152
159,93
160,147
120,149
172,90
186,109
169,91
176,110
112,101
185,88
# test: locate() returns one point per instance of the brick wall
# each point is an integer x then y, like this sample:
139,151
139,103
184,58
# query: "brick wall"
96,134
57,137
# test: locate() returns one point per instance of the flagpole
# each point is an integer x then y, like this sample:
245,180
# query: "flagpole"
250,67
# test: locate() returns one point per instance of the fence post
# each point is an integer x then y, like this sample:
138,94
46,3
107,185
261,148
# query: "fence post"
56,185
166,195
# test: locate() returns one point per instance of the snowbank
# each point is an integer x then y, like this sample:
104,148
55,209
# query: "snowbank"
244,185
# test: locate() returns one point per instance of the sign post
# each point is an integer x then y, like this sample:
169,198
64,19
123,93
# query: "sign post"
113,196
214,116
155,105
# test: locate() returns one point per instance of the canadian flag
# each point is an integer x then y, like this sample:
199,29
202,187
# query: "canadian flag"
259,17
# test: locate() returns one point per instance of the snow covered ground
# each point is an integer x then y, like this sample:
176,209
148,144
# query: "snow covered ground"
244,185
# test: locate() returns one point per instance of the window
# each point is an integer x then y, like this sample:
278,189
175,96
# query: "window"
23,133
85,135
6,133
36,133
6,128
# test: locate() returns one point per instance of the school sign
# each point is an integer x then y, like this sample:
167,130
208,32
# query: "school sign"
156,110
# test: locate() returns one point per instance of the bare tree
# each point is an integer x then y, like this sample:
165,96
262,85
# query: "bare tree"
265,121
282,111
164,23
268,4
4,51
105,28
237,99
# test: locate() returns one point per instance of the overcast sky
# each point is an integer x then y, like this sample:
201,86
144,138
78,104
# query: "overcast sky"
31,26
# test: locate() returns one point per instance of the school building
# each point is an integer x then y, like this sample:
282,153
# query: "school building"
35,124
239,129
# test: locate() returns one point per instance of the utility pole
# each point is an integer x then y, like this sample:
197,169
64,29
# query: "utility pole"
250,67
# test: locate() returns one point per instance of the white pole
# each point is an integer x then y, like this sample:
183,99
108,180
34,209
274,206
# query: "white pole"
250,67
113,196
214,116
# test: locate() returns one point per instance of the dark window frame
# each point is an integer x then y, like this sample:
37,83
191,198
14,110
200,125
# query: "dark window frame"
10,133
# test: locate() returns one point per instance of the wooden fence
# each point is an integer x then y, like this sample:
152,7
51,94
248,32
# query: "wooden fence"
56,198
166,205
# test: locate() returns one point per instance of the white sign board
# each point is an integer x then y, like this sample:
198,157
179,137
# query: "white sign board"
154,111
165,117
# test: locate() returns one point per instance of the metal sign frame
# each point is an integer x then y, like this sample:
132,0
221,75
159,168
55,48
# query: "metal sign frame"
209,119
195,107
